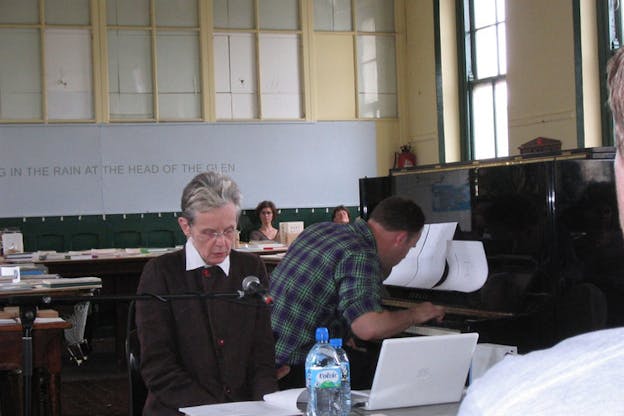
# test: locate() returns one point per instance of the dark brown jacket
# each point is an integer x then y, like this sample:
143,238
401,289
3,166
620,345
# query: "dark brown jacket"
196,352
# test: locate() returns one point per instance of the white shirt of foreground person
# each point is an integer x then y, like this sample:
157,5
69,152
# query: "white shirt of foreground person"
583,375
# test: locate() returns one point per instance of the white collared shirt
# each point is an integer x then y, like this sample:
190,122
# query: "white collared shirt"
195,261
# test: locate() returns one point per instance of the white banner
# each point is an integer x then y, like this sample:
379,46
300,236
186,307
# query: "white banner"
58,170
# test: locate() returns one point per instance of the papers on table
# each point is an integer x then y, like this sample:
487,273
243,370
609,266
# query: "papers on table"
439,262
12,271
73,282
13,321
259,247
50,282
280,403
95,253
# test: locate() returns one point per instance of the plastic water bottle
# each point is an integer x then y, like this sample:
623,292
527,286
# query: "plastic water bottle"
323,377
345,383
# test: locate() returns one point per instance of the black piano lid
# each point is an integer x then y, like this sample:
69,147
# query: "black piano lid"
549,226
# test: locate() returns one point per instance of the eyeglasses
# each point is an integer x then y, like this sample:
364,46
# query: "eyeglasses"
213,235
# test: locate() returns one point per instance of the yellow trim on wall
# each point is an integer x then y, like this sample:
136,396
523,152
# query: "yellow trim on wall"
335,80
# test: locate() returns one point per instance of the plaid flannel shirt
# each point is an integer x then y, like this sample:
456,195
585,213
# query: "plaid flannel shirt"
330,276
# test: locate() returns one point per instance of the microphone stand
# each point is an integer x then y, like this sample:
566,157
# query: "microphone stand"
28,312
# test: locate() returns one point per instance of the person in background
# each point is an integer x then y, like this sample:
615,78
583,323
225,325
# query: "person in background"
340,215
266,213
580,375
332,277
197,351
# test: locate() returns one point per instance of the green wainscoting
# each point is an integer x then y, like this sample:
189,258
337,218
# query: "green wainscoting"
133,230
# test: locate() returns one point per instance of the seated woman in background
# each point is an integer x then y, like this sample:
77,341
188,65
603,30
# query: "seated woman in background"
266,212
341,215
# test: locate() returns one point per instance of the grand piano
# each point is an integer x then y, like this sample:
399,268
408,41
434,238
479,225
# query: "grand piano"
549,225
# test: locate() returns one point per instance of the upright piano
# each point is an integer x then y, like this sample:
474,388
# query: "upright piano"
549,226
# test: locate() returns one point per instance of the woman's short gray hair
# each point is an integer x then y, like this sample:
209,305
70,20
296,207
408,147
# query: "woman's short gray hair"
209,190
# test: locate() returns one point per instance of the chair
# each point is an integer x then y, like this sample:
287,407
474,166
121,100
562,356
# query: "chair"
137,391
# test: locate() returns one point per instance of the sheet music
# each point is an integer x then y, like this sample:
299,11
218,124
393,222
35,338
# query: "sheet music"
467,266
424,265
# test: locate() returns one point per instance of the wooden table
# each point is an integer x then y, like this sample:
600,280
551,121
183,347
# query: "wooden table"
46,345
120,276
272,260
47,348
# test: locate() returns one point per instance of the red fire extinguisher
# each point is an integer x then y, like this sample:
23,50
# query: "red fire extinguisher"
405,159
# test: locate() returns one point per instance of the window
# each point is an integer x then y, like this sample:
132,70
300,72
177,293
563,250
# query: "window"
258,73
59,87
374,55
196,60
486,86
616,24
153,63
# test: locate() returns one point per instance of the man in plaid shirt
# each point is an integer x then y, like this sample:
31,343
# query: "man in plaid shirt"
332,277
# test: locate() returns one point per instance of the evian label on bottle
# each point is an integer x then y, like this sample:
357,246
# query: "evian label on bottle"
325,377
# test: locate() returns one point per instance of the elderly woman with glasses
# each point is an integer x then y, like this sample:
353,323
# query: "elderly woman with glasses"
204,349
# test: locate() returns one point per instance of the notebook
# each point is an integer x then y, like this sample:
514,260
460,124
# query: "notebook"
415,371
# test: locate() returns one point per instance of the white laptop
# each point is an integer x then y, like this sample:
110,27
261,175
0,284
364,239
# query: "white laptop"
415,371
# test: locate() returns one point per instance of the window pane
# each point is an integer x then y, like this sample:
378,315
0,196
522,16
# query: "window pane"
487,58
279,14
179,88
130,74
332,15
19,11
375,15
376,76
20,77
128,12
502,49
233,14
500,10
377,105
280,77
67,12
68,73
483,122
484,13
176,13
502,140
235,76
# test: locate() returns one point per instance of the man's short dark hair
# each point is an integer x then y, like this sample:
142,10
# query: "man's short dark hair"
396,213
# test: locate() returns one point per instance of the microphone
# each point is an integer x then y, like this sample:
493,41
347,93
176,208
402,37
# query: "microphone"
252,287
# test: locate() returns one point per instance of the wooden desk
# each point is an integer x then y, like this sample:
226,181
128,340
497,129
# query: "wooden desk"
47,347
272,260
47,344
120,276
